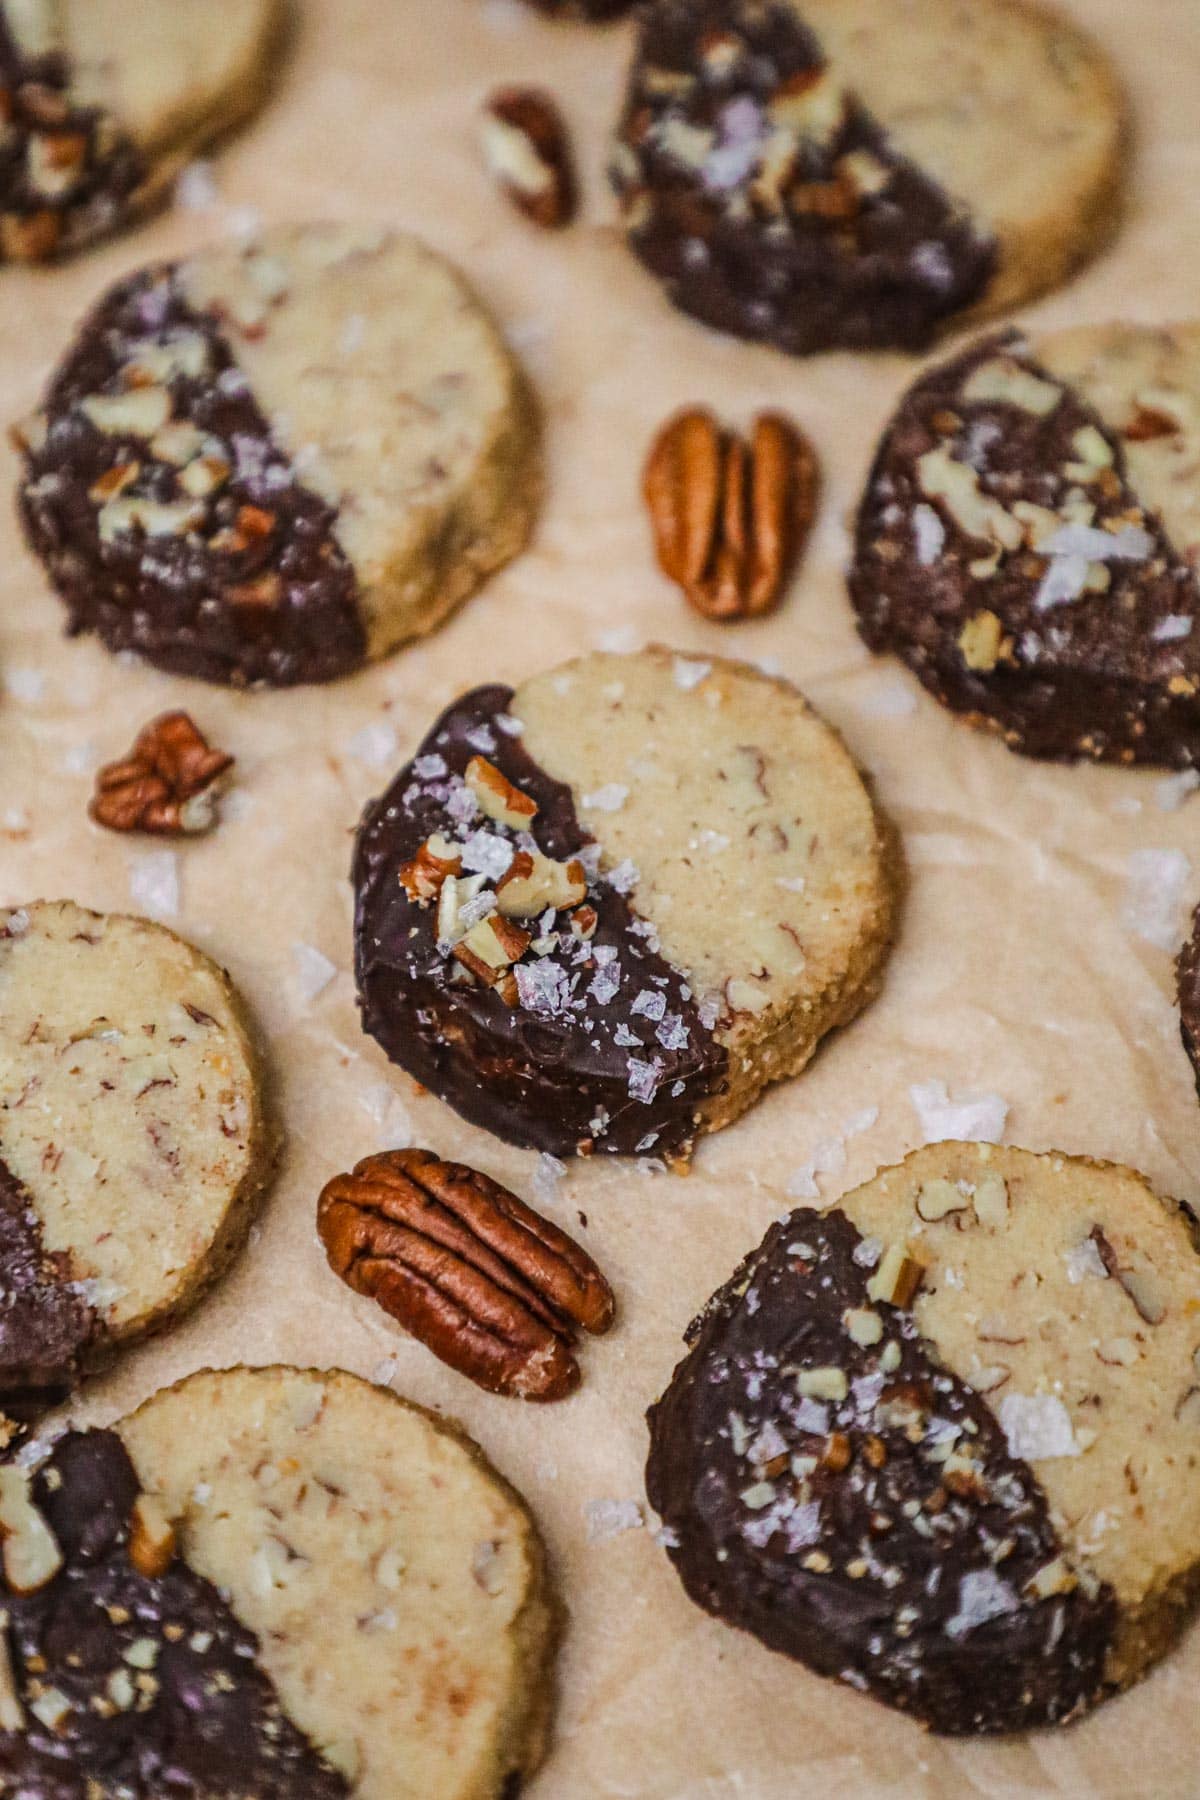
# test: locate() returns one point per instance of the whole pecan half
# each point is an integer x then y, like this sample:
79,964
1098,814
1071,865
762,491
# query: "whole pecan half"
487,1284
528,154
730,518
165,785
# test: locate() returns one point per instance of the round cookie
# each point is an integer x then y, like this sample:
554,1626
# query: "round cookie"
396,1585
108,99
133,1141
605,911
821,174
270,464
941,1442
1029,539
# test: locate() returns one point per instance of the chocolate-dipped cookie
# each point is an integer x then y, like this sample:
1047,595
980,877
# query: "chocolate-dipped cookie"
104,101
124,1672
134,1144
270,464
605,911
396,1584
1029,538
822,174
273,1584
914,1438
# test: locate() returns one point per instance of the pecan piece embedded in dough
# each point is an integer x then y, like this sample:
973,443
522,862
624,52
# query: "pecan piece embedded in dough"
481,1279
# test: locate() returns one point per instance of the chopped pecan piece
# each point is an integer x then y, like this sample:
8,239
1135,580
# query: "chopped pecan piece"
528,154
30,237
497,796
1139,1284
422,877
153,1544
490,947
167,783
730,519
533,882
482,1280
1148,422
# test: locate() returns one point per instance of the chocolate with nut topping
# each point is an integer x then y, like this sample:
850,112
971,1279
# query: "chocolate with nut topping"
828,1485
45,1322
67,172
171,522
1002,553
136,1685
600,1043
767,198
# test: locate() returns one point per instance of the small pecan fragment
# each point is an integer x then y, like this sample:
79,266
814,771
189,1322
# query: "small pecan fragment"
490,947
730,519
153,1544
167,783
482,1280
528,154
30,237
422,877
1140,1285
1149,422
497,796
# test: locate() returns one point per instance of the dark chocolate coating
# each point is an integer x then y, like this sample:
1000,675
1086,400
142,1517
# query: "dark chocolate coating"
1187,975
888,1573
592,12
191,602
1085,679
45,1322
551,1079
35,104
202,1722
818,271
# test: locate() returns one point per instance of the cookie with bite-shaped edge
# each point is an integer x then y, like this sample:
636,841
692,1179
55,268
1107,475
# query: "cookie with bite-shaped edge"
604,912
134,1138
1029,539
396,1584
106,100
823,174
269,464
941,1442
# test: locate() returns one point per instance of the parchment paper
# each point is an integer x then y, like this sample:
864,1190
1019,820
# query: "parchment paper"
1020,971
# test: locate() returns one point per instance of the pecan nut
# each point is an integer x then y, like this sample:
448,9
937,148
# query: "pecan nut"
730,519
166,785
528,155
486,1283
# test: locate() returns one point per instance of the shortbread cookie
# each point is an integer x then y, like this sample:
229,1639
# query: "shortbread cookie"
133,1140
1029,541
941,1442
605,911
836,173
270,464
106,100
396,1585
